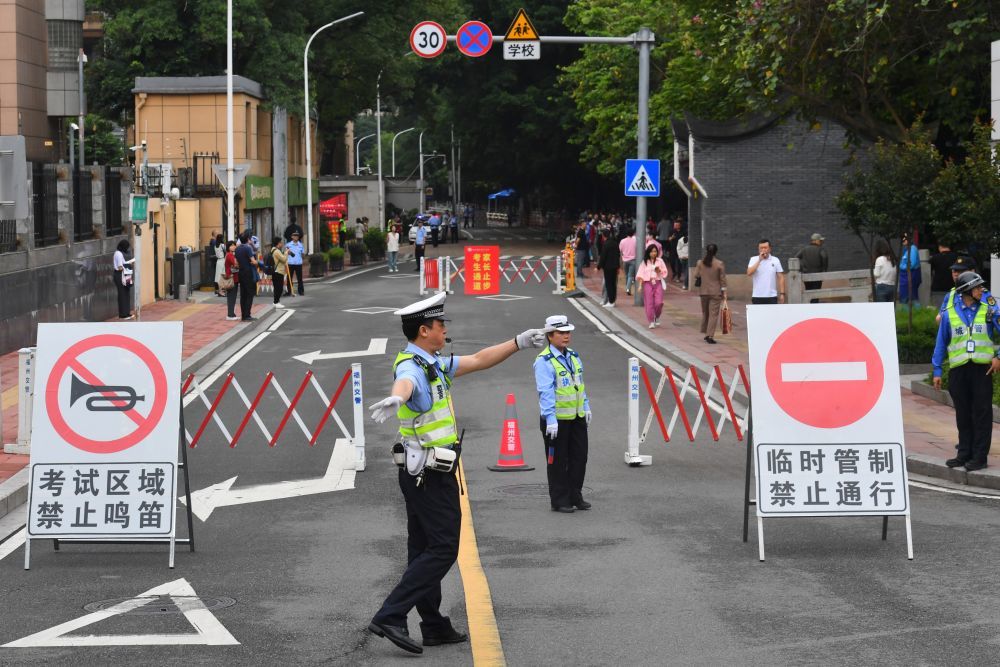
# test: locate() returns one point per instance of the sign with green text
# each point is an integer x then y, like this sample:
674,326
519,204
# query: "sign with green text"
137,206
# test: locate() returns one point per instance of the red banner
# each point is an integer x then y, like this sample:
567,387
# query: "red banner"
482,269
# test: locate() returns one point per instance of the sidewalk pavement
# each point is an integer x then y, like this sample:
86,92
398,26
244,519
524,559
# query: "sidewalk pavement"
929,426
206,331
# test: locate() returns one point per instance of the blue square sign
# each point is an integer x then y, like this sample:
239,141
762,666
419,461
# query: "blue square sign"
642,178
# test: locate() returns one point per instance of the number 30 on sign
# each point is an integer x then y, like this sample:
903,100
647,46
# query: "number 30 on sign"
428,39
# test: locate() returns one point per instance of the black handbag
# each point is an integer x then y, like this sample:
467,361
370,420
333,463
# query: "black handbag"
697,281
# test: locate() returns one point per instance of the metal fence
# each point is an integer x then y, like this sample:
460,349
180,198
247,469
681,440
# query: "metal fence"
113,201
44,203
83,205
8,236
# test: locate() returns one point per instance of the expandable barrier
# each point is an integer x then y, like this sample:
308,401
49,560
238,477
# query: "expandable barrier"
440,274
715,410
352,375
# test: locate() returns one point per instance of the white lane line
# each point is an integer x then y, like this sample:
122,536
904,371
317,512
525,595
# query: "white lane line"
357,272
832,371
281,320
957,492
604,330
12,544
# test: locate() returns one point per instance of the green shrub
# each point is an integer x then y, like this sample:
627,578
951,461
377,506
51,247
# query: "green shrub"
916,346
325,237
375,242
333,254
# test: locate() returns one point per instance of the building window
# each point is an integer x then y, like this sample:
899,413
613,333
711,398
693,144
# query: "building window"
65,41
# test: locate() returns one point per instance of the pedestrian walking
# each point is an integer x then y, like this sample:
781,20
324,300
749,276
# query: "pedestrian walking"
219,252
813,258
246,257
966,335
710,281
122,277
428,452
279,262
884,272
682,257
467,215
941,276
768,276
231,280
564,411
909,273
663,229
627,249
291,229
296,253
610,263
672,257
651,277
392,247
419,242
435,224
453,226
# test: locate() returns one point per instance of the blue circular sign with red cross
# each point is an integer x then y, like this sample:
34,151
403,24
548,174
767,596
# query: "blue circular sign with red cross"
474,39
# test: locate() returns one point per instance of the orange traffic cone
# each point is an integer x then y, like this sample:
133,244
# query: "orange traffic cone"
511,457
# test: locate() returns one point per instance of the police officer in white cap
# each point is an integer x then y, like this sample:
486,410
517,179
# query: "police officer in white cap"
421,399
564,411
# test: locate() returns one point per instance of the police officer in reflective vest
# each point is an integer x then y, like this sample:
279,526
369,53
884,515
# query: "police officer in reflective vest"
564,411
427,455
965,335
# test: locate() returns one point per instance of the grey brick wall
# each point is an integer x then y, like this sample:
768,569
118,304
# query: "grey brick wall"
779,183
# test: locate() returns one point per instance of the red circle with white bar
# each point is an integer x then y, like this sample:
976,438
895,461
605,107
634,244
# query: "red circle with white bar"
428,39
824,373
70,361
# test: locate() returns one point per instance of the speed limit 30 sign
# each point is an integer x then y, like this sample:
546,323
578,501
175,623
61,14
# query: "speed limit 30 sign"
428,39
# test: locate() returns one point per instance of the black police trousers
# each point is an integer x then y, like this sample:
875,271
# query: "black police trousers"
566,461
434,522
971,390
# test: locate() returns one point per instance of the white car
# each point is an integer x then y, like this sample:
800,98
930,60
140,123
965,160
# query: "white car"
412,235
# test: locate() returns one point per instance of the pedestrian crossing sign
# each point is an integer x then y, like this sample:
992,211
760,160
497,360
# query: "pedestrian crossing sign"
521,28
642,178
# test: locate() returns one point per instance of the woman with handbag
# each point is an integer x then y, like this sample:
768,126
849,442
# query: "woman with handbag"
220,265
710,281
651,278
123,279
227,282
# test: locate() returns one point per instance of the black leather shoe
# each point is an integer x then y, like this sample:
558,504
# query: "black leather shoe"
974,465
449,635
582,505
955,463
397,635
710,340
564,510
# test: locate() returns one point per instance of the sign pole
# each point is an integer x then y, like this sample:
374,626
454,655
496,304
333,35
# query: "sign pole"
187,481
644,38
749,467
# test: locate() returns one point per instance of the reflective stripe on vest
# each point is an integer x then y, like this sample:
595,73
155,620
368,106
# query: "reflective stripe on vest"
570,390
436,427
961,335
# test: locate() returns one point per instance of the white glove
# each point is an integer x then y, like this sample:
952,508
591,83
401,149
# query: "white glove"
530,338
552,430
385,408
588,416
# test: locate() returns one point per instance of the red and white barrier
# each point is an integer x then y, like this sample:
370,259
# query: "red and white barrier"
192,389
716,406
442,272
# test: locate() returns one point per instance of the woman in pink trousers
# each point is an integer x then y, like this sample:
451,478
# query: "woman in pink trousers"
650,277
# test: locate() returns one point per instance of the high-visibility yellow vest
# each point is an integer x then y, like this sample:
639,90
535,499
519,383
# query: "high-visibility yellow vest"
961,336
570,390
437,427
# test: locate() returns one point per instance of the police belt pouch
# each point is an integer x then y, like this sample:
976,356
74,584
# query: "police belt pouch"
438,459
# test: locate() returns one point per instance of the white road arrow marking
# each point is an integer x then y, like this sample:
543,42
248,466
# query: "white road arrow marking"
831,371
339,476
210,632
376,346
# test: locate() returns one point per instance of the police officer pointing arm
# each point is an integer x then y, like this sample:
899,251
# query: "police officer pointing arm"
966,334
427,455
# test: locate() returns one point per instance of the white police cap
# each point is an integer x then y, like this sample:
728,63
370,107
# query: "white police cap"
431,308
557,323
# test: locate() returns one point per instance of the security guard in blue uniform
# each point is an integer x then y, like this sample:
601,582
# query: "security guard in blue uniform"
427,455
564,415
966,338
962,264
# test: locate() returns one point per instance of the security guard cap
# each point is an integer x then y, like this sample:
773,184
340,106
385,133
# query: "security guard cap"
431,308
964,263
967,281
557,323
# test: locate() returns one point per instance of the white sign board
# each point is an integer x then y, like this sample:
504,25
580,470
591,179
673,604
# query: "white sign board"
827,413
105,431
522,50
428,39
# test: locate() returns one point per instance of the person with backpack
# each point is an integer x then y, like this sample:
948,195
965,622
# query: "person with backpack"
276,266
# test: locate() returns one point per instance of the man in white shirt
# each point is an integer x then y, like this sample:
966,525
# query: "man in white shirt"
768,276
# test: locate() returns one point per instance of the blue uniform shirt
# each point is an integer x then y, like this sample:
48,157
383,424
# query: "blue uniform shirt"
421,399
545,382
296,247
966,314
421,236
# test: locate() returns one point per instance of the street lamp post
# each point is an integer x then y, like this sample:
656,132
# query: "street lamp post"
378,141
420,183
357,154
80,60
305,72
394,137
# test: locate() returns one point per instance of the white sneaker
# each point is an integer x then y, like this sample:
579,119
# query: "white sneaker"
231,319
651,325
656,322
278,305
609,305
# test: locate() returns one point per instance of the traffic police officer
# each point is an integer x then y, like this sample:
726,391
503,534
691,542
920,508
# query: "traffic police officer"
564,411
966,335
421,399
962,264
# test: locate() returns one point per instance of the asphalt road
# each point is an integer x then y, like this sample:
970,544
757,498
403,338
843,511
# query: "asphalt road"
655,574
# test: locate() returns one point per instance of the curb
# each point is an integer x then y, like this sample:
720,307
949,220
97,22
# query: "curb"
921,388
918,464
14,491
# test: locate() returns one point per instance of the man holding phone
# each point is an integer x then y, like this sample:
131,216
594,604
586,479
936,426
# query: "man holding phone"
768,276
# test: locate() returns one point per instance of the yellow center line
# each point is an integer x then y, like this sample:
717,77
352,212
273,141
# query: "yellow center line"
484,636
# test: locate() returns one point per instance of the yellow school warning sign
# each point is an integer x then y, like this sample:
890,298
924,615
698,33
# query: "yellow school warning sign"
522,41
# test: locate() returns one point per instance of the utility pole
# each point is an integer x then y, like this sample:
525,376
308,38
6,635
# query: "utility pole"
80,59
230,195
451,172
644,39
378,139
420,182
